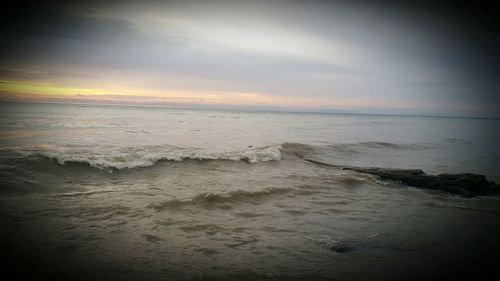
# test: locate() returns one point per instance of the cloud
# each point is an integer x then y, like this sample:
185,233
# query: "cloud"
330,52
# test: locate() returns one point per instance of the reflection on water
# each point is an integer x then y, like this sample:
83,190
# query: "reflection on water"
96,193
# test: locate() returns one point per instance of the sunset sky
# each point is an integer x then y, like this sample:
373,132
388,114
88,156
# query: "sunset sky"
304,55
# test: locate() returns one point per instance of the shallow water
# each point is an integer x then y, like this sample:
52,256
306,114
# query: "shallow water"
135,193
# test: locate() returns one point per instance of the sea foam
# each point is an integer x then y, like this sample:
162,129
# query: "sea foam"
149,157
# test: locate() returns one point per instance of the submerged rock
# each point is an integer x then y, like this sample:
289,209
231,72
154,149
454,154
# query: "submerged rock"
342,247
373,242
466,185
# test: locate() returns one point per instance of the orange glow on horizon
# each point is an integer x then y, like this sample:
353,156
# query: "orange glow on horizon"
29,91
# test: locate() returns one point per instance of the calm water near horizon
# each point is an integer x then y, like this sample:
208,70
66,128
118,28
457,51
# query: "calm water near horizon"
149,193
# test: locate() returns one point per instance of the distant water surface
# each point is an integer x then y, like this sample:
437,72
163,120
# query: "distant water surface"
144,193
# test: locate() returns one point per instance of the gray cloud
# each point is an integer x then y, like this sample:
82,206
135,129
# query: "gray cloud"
357,49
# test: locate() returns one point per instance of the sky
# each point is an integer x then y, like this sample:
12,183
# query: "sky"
355,56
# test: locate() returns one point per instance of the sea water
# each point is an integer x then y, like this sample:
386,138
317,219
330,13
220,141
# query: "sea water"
154,193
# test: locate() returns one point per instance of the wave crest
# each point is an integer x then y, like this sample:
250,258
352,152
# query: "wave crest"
145,158
214,198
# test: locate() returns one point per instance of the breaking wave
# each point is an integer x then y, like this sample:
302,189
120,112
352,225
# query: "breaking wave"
146,158
138,157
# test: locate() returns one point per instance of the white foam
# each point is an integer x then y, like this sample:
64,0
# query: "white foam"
149,157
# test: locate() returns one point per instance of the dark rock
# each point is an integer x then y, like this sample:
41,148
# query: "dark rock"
467,185
342,247
373,243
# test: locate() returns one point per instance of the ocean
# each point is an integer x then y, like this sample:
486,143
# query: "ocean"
95,192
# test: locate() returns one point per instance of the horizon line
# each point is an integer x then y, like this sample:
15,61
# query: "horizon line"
246,108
